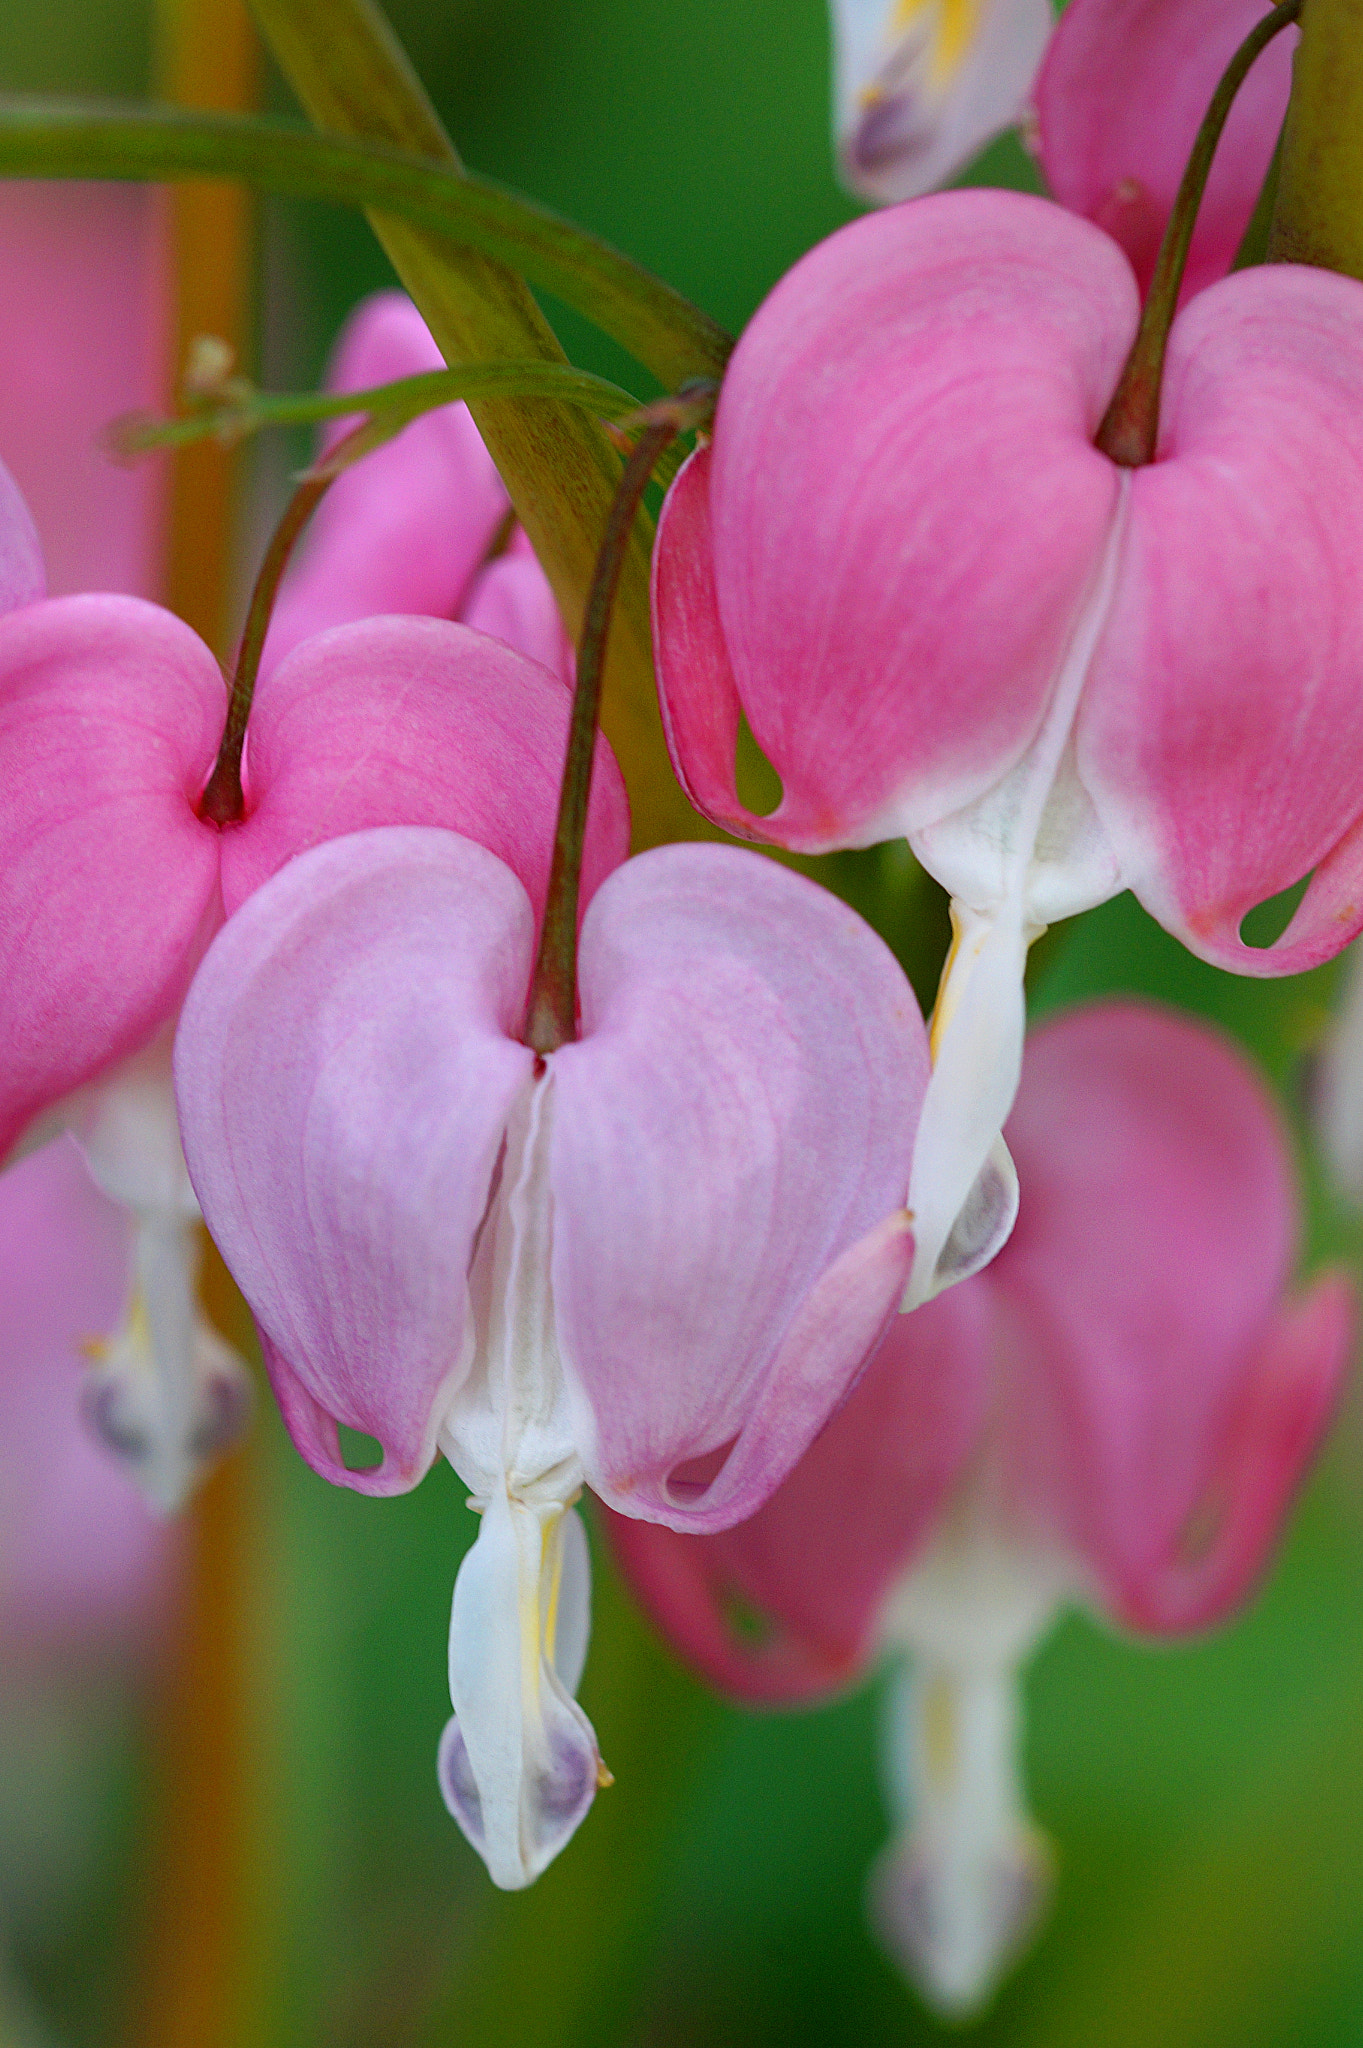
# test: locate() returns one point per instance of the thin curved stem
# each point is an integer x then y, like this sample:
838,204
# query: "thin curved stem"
1130,426
663,330
552,1015
241,410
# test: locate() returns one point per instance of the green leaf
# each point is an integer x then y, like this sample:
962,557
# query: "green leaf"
66,139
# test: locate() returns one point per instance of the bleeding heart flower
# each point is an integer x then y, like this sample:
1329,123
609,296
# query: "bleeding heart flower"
415,527
1117,1411
945,614
922,85
111,712
1119,101
650,1262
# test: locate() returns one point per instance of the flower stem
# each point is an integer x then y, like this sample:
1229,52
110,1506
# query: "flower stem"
1318,217
223,801
552,1017
1130,426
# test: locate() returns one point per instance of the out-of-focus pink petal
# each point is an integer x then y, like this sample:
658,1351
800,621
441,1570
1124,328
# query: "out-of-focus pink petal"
737,1117
415,722
1286,1400
406,528
84,336
81,1557
512,601
110,717
1119,100
344,1072
1221,730
787,1604
906,508
1155,1237
21,557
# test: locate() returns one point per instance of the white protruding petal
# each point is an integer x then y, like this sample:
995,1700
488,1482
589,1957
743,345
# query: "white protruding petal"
1338,1103
922,85
959,1892
166,1393
978,1030
519,1765
1031,848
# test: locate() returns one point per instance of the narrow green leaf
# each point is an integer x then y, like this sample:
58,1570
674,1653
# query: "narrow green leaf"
67,139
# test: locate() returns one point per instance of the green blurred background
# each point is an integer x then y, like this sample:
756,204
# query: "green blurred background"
1206,1802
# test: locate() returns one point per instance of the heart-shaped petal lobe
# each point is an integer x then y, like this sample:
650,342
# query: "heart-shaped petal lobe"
345,1067
110,716
733,1135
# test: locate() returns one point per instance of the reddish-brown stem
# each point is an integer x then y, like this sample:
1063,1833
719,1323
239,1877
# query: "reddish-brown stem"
1130,426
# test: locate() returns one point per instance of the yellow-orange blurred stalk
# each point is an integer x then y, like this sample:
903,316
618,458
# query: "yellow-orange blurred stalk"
197,1909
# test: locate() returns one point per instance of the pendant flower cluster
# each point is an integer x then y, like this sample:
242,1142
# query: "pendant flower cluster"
288,977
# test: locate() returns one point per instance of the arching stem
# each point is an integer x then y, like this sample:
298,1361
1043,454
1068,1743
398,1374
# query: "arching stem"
223,800
552,1017
1130,426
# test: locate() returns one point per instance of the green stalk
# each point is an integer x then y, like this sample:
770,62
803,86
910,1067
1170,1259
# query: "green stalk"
353,79
1130,426
1318,217
240,410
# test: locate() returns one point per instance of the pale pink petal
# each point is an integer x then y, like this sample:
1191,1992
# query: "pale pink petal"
786,1605
22,578
344,1070
1134,1299
406,528
1221,731
731,1148
905,512
84,336
512,601
415,722
81,1556
110,716
1119,100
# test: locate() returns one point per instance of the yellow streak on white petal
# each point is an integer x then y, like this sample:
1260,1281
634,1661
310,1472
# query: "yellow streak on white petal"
950,38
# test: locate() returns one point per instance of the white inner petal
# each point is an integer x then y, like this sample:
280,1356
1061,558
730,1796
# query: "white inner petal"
166,1393
1029,850
961,1888
519,1764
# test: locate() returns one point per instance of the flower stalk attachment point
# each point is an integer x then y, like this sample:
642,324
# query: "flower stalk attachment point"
1130,426
552,1020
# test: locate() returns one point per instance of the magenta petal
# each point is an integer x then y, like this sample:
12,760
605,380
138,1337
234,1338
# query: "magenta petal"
1139,1288
110,716
344,1074
732,1138
1119,99
84,336
786,1605
406,528
415,722
1221,730
1271,1435
905,514
696,689
512,601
